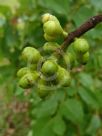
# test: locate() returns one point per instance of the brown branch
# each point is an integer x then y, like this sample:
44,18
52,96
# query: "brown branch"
88,25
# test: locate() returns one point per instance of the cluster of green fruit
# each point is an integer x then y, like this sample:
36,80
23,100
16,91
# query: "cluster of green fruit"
48,73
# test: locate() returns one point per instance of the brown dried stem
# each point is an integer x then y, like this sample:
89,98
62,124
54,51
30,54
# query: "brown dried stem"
88,25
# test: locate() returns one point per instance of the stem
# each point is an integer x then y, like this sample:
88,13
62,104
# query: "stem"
88,25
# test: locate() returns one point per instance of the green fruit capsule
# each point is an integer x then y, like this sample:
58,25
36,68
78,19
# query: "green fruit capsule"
49,38
52,28
49,67
31,55
42,88
48,17
85,57
63,77
50,47
69,59
66,60
21,72
53,58
28,80
42,93
81,45
33,67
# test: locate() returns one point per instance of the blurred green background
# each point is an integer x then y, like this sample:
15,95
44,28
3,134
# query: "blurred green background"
22,113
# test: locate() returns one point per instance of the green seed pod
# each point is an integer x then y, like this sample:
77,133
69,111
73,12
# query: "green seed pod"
59,30
21,72
49,38
63,77
67,62
85,57
31,55
49,67
69,59
33,67
51,28
81,45
48,17
50,47
42,88
28,80
53,58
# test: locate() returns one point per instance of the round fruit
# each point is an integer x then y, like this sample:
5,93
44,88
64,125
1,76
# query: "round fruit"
63,77
21,72
71,57
42,93
28,80
53,58
52,28
85,57
31,55
49,38
67,61
81,45
33,67
42,88
49,67
50,47
48,17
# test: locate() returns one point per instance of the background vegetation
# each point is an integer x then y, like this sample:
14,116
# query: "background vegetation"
22,112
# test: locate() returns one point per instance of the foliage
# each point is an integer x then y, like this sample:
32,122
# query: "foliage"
72,111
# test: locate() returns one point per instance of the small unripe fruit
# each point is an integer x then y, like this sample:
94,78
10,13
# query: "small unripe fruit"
49,38
28,80
69,59
50,47
66,60
46,17
42,88
63,77
52,28
49,67
42,93
81,45
21,72
85,57
31,55
53,58
33,67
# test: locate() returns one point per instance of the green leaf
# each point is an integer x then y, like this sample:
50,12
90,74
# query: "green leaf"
59,6
42,127
98,95
86,80
49,106
6,73
89,97
94,125
82,14
59,125
5,10
72,110
97,5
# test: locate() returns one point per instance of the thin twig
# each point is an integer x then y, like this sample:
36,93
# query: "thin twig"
88,25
